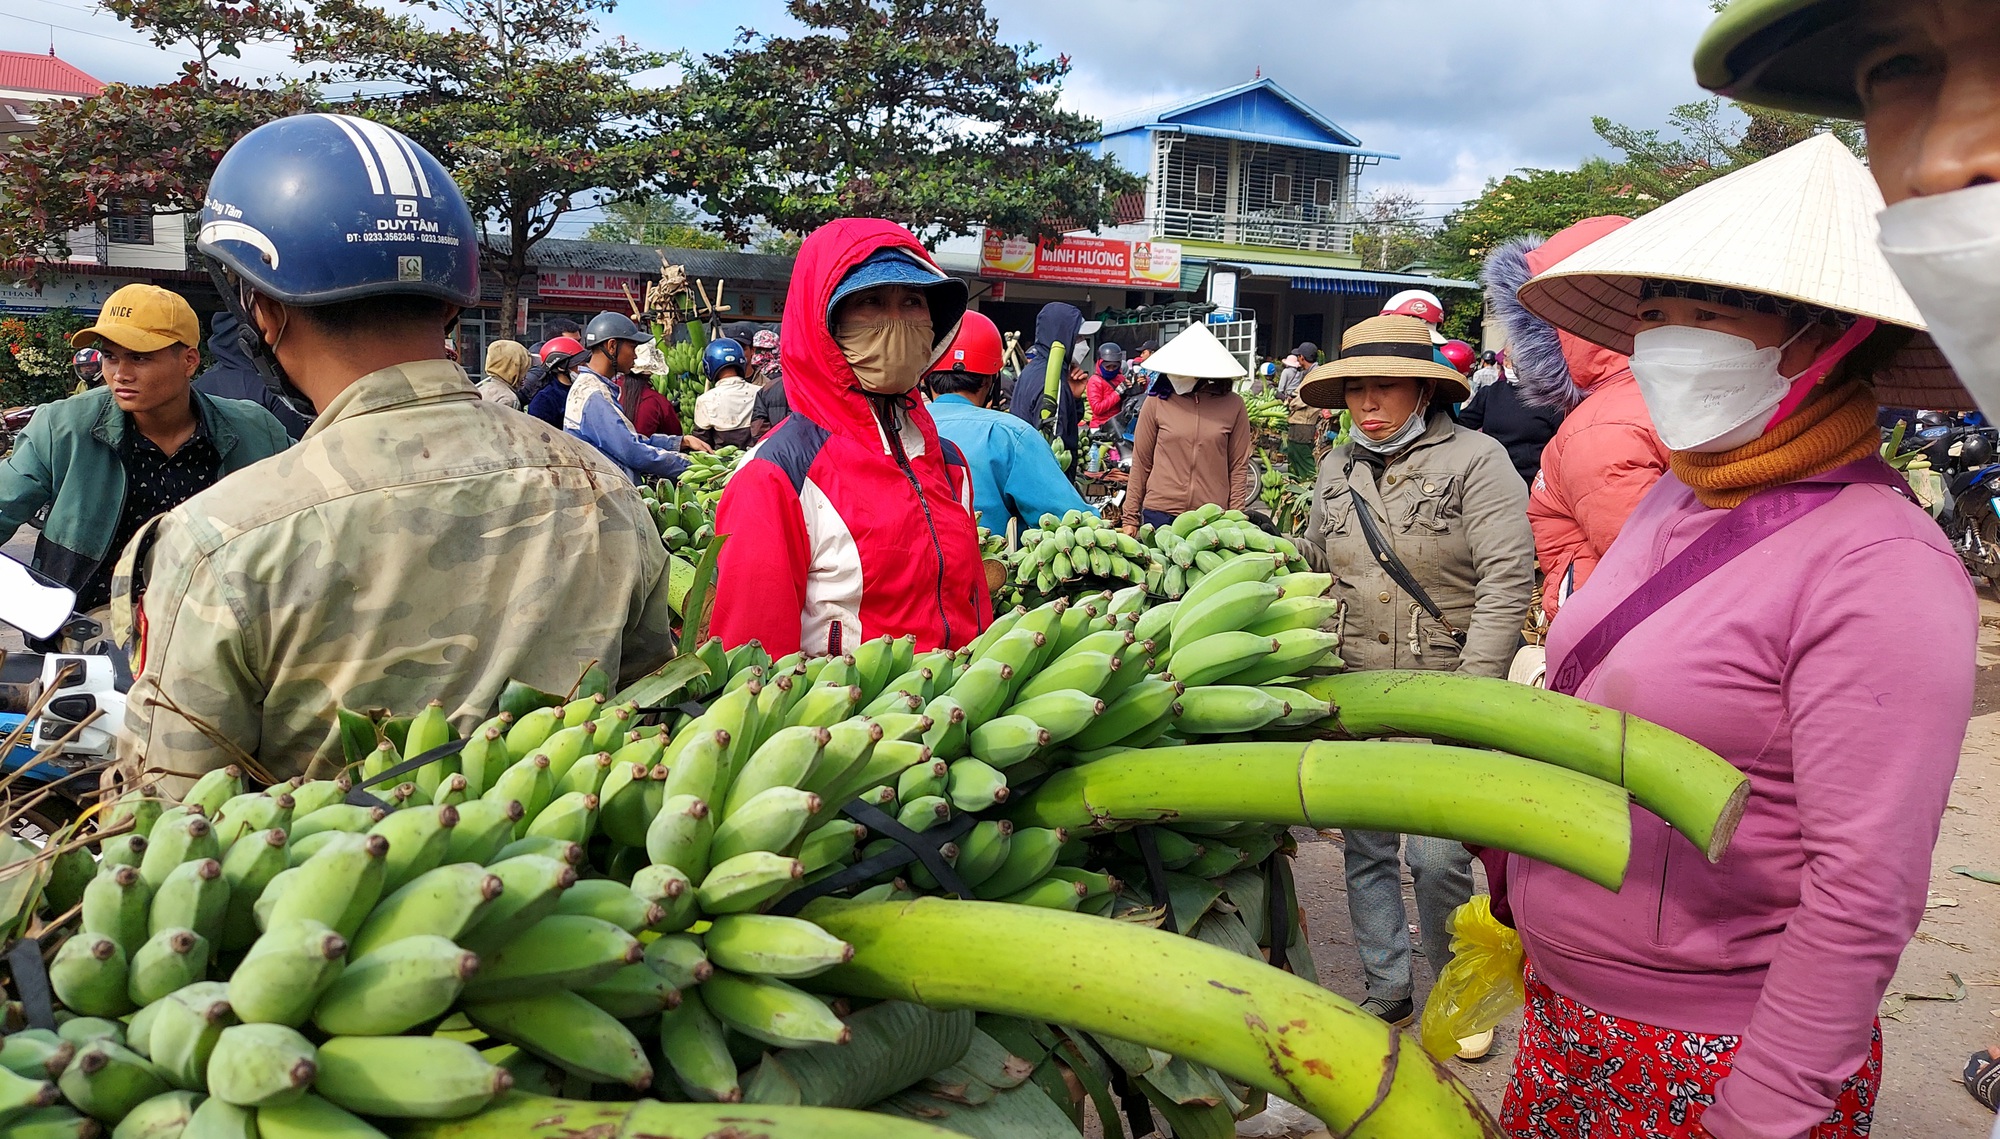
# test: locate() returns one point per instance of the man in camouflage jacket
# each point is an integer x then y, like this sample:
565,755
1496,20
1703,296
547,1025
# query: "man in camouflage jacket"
417,543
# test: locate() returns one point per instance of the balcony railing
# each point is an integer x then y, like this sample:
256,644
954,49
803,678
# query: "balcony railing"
1276,231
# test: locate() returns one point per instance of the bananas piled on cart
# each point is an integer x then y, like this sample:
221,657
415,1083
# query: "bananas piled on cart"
1267,413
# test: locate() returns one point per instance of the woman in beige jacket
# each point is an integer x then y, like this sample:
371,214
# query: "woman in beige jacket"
1449,505
1193,441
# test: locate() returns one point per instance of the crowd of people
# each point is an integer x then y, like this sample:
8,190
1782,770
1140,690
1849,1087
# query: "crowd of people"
1677,447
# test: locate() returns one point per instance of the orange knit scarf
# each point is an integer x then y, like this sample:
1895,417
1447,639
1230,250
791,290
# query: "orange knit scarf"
1831,430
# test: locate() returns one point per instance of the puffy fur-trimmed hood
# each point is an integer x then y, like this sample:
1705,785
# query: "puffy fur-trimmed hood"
1552,369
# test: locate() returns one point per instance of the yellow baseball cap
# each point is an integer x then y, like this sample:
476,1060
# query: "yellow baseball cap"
142,318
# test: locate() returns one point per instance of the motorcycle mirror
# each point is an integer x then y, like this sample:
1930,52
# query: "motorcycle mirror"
32,603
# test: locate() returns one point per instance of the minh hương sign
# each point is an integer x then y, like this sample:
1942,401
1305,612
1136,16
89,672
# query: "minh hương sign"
1082,260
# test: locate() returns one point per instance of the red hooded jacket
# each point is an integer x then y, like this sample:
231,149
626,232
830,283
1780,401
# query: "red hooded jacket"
837,531
1606,455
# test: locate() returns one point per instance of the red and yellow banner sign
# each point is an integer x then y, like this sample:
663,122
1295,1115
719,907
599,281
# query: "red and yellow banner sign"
1080,260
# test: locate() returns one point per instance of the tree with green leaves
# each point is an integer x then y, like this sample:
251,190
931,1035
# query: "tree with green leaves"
1710,138
654,219
136,150
535,114
911,110
1526,201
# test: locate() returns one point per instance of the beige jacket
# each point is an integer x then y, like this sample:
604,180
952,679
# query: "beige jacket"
417,543
1456,514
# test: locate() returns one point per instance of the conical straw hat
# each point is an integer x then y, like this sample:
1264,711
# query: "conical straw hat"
1800,225
1196,353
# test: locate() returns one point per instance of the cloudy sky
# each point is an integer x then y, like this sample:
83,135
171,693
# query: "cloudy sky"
1463,90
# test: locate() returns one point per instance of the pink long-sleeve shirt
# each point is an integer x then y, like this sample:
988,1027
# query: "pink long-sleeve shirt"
1833,663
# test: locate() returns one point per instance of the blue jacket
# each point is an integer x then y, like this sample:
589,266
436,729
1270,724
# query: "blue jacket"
547,402
591,414
1013,473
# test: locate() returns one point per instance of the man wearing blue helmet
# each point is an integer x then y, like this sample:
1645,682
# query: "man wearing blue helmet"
722,413
417,543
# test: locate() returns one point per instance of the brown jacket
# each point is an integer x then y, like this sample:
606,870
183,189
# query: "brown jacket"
1187,450
1456,514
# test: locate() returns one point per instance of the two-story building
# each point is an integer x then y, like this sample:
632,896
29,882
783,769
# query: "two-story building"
129,245
1250,195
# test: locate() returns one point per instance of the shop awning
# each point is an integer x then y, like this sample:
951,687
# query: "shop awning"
1352,282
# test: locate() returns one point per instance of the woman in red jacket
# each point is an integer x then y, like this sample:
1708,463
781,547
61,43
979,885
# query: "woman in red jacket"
1606,455
852,519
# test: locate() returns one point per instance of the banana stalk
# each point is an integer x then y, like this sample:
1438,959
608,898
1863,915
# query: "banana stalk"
518,1115
1695,790
1245,1019
1545,812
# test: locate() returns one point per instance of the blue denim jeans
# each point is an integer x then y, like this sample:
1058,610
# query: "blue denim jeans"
1442,870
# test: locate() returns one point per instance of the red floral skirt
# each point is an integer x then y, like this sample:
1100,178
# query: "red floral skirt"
1583,1074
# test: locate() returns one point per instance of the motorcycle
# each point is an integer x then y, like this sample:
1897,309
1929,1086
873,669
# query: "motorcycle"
1963,456
59,711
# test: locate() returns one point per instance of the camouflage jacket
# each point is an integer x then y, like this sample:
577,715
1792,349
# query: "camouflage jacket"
417,543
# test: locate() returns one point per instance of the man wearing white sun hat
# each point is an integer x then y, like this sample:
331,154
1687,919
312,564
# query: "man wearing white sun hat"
1777,599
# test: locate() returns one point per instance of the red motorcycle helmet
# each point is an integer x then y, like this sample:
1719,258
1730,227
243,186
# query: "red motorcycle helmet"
1459,355
976,349
561,350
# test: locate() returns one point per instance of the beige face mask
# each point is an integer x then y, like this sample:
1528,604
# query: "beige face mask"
888,357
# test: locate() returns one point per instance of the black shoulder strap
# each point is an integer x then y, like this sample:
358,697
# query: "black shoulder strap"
1386,556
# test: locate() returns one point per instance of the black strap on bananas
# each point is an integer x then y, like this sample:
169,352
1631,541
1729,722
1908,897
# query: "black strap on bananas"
359,796
911,846
1280,906
31,981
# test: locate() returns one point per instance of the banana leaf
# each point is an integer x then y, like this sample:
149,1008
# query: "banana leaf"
701,595
594,682
895,1044
22,875
662,684
1225,931
1191,1122
1024,1112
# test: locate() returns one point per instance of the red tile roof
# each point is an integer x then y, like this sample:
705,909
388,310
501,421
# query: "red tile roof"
34,71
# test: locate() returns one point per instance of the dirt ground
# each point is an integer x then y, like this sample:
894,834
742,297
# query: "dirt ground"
1925,1042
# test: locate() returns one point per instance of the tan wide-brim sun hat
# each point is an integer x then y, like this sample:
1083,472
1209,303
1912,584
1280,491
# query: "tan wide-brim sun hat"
1798,226
1195,353
1394,347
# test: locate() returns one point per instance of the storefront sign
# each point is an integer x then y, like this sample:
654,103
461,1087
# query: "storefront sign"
577,285
1081,260
82,295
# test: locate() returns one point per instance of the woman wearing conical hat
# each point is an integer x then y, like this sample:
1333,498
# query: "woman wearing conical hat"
1447,503
1777,598
1193,440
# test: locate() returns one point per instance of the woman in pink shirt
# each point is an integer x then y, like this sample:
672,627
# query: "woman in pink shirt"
1827,652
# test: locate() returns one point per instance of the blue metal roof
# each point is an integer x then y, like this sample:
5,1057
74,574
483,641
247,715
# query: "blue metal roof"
1258,111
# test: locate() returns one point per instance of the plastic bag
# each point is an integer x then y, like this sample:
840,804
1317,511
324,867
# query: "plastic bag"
1278,1121
1481,985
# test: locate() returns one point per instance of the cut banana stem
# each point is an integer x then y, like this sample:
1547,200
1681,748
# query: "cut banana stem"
1245,1019
1695,790
1545,812
517,1115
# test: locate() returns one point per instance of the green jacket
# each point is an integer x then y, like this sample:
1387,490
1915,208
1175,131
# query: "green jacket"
416,544
69,460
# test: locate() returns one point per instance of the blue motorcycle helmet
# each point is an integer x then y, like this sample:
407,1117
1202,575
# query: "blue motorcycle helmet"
721,353
318,209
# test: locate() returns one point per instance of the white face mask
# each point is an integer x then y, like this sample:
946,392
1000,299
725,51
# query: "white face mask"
1708,390
1183,384
1946,249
